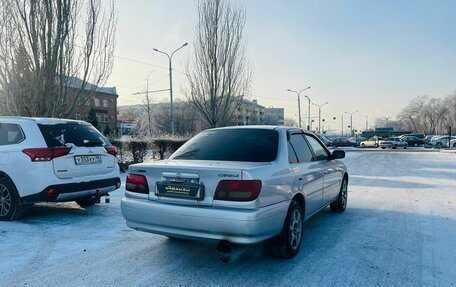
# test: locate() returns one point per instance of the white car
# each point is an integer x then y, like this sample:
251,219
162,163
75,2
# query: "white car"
394,143
240,185
53,160
441,141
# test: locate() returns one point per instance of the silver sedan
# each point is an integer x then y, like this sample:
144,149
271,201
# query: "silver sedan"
239,184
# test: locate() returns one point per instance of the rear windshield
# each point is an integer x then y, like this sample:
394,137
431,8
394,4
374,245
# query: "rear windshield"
72,133
250,145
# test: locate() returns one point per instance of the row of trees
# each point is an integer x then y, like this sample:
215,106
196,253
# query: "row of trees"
50,51
429,115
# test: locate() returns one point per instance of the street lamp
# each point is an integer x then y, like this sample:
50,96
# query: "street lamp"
319,115
299,102
351,121
170,58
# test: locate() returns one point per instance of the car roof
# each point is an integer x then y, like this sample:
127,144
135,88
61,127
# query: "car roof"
262,127
38,120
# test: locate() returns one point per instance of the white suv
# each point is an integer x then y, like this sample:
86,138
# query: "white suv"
53,160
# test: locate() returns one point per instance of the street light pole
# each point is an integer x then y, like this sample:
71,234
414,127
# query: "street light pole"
351,121
319,115
170,58
308,114
299,102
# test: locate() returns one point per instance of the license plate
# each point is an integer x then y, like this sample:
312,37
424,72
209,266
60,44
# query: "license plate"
188,191
87,159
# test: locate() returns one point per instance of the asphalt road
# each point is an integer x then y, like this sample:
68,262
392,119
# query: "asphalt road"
399,230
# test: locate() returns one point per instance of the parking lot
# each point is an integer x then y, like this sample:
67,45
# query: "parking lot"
399,229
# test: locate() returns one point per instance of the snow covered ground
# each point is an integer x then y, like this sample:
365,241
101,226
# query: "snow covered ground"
399,229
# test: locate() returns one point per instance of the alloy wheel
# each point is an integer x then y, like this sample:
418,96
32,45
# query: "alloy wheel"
295,227
344,194
5,200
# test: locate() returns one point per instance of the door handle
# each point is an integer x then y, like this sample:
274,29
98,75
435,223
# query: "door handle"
300,178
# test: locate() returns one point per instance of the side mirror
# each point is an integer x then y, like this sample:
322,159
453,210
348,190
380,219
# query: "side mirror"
338,154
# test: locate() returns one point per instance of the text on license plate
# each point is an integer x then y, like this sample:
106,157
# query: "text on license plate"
87,159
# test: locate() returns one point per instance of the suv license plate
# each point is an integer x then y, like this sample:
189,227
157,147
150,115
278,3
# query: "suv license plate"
87,159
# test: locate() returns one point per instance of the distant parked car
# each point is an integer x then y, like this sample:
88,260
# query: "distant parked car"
53,160
372,142
440,141
343,142
453,143
239,185
421,136
393,142
357,140
324,139
412,140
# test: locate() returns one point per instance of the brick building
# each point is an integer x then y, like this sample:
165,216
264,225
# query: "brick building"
103,101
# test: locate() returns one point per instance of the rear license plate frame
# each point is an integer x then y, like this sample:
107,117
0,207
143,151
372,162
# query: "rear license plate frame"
193,191
82,160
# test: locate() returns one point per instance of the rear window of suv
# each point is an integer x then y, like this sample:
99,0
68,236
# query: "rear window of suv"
249,145
77,134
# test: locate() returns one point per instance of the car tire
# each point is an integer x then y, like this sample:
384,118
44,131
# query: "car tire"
11,207
363,145
383,147
439,145
340,204
88,201
415,145
454,145
288,243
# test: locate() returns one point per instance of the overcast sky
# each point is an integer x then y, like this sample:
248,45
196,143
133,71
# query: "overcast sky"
371,56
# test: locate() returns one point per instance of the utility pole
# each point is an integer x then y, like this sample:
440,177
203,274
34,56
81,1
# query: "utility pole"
351,121
170,58
342,131
319,115
299,102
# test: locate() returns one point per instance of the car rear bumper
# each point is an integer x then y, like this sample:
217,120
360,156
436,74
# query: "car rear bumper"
197,222
73,191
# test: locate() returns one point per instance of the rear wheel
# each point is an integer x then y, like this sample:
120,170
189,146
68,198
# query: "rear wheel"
88,201
439,145
363,145
10,203
340,204
288,243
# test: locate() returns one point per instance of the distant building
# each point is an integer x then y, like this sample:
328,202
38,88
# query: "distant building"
103,100
249,113
274,116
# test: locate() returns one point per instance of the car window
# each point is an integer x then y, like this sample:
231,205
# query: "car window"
11,134
250,145
74,133
319,150
291,154
301,148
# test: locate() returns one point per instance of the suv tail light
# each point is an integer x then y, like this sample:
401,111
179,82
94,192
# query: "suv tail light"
46,154
112,150
137,183
238,190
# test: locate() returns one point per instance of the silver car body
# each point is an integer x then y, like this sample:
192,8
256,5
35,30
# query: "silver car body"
315,184
392,143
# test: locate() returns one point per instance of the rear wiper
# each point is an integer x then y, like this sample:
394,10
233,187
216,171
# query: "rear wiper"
92,143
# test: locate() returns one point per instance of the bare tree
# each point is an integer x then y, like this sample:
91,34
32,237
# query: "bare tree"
218,75
429,115
50,51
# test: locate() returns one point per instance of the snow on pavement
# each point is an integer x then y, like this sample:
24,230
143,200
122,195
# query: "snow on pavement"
399,229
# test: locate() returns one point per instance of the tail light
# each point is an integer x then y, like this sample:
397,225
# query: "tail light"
238,190
46,154
112,150
137,183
